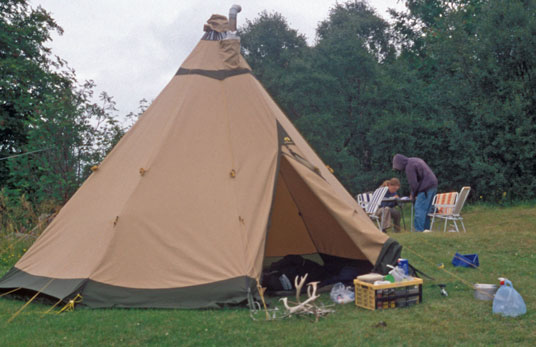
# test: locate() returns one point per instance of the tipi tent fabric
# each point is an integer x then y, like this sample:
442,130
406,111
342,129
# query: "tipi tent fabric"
211,179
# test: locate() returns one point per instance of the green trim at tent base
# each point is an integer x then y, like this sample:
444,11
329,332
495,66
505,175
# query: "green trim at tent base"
233,291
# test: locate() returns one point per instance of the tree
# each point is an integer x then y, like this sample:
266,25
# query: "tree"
352,46
357,21
504,108
332,90
25,72
271,48
477,60
76,134
43,108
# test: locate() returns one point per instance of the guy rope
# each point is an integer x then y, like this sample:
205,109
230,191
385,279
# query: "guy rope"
32,299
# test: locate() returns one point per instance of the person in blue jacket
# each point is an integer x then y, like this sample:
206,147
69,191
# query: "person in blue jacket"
423,184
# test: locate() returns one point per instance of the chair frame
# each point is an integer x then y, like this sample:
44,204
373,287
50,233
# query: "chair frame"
363,199
455,210
374,203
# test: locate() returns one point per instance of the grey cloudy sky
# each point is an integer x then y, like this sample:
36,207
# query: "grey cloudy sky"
132,48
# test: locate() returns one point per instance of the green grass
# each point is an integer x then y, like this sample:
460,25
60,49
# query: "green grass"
502,237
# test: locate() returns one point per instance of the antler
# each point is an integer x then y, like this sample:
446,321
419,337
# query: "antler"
308,307
303,307
311,288
299,286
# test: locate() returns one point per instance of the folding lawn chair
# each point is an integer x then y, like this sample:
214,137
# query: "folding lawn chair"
374,203
448,206
363,199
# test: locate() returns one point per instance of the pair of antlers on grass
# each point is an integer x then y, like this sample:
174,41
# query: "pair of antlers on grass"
306,307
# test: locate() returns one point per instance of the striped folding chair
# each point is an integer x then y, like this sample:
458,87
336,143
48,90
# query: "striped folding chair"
374,203
363,199
448,206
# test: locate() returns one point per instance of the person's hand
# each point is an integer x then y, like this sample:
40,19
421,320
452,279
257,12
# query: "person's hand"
411,196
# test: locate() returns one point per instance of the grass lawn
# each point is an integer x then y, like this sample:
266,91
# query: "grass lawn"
504,239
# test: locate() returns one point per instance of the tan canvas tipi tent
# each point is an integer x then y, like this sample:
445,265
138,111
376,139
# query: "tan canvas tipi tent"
211,180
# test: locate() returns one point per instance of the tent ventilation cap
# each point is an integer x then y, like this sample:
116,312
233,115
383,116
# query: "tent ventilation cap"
233,11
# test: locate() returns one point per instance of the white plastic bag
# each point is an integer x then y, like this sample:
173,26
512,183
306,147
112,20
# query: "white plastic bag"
341,294
508,301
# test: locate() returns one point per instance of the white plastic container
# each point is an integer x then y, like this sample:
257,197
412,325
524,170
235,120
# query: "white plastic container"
485,291
508,302
399,275
370,278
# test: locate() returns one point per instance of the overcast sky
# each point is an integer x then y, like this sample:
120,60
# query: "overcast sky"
132,48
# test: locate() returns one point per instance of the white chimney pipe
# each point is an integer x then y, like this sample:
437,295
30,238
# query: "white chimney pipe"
233,11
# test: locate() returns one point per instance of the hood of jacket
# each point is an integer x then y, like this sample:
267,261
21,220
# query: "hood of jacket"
399,162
